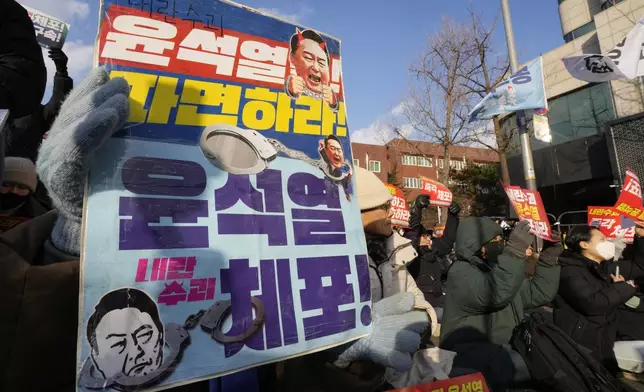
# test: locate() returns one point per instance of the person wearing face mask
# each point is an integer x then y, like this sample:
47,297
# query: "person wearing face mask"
592,292
18,186
486,294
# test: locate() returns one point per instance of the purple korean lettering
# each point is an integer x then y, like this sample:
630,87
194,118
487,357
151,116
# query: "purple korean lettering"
307,190
271,309
160,176
239,280
273,226
318,227
238,187
138,234
364,287
326,294
172,294
287,307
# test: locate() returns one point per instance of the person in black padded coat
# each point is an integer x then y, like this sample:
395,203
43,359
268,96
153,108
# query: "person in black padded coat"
592,292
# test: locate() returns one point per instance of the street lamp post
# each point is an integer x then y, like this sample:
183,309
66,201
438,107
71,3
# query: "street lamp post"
526,149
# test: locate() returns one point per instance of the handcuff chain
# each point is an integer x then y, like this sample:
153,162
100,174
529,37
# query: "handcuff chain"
193,319
294,153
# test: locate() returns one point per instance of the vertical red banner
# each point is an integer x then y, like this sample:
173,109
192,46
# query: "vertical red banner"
439,194
399,207
529,206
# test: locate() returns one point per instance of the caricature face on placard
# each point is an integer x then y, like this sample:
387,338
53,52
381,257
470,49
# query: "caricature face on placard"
126,334
311,63
333,153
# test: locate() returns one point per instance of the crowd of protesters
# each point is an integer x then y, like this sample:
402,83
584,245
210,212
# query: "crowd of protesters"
442,306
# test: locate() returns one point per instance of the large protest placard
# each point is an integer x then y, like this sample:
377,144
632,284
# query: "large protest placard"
221,226
611,224
399,209
529,206
470,383
51,32
439,194
629,203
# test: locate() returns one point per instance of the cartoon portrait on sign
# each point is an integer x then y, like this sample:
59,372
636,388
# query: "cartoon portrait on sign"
310,68
331,152
127,339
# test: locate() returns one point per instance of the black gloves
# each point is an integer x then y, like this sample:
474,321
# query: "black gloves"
520,239
454,209
422,201
60,60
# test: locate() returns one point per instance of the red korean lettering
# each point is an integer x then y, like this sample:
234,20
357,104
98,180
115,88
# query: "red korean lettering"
181,268
206,47
138,39
262,62
173,294
201,289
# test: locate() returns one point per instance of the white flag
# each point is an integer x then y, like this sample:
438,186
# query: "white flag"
620,63
541,128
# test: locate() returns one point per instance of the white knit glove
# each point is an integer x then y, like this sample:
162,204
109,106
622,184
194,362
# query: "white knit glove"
395,337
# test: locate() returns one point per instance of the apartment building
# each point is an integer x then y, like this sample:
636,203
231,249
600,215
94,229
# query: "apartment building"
409,160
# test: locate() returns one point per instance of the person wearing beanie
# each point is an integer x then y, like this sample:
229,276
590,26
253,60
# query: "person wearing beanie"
17,190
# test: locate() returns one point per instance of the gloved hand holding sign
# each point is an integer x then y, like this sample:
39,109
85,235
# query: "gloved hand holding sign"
395,337
94,110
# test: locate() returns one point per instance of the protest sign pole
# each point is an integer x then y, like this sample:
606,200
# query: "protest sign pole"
526,148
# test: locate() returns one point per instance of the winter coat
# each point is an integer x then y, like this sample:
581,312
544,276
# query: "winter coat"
430,268
588,301
484,303
23,75
391,277
39,307
27,132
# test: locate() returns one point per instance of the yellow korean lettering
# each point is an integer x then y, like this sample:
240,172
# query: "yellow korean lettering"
477,386
260,113
284,113
454,388
196,93
341,128
164,100
140,84
466,387
535,212
328,120
303,117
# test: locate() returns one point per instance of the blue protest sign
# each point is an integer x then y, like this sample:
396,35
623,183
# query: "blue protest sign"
221,229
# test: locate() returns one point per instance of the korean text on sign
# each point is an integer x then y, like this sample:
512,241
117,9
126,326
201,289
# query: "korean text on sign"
470,383
399,208
529,206
610,223
247,266
439,194
50,32
629,203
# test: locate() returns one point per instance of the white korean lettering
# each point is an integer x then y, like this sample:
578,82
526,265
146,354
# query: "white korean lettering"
201,46
52,35
254,66
40,20
260,51
39,30
55,24
145,27
633,187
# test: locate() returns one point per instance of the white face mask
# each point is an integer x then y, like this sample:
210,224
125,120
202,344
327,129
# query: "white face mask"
606,250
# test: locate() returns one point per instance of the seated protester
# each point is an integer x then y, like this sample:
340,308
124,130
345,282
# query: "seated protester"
486,295
17,190
591,296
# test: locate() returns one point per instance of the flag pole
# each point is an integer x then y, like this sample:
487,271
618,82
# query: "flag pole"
526,149
524,137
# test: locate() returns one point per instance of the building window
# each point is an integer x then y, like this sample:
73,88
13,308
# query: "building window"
411,182
424,162
609,3
457,164
440,163
579,31
374,166
356,162
409,160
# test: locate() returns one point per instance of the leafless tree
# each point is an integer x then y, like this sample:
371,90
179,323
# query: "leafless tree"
439,103
491,70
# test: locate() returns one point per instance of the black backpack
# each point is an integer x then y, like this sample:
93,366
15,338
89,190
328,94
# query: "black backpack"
556,361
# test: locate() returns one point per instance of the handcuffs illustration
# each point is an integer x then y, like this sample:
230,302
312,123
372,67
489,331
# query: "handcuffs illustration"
243,151
176,338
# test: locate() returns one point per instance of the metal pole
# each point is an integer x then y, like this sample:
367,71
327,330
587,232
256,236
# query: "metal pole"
526,149
524,137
